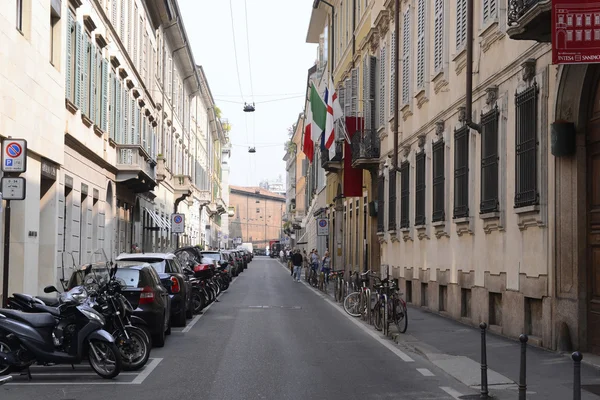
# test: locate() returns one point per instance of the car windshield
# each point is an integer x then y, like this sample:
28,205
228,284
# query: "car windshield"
158,264
214,256
130,276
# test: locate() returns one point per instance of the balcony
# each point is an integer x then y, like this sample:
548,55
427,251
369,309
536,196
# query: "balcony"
136,169
336,163
221,206
365,150
530,20
182,185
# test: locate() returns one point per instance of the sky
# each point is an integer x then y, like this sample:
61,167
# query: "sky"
279,62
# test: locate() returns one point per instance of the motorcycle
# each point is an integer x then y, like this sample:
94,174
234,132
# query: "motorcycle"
67,334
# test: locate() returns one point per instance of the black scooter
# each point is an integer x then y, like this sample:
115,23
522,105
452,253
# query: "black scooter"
64,335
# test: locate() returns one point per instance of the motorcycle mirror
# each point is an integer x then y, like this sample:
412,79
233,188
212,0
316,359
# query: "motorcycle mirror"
50,289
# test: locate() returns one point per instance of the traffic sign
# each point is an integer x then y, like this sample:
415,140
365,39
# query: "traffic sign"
322,227
14,155
13,188
177,223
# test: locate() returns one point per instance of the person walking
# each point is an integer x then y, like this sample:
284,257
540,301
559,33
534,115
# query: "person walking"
297,262
326,266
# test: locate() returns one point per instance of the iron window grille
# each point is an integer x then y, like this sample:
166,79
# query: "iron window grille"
392,201
404,194
439,213
420,189
526,193
489,162
461,172
380,203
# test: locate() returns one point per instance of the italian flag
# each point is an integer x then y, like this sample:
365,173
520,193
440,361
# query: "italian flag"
319,114
309,145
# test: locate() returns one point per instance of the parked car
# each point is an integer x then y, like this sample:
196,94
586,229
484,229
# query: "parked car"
181,289
147,292
236,266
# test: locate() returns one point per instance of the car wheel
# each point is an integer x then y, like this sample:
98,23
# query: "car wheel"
159,340
180,319
189,311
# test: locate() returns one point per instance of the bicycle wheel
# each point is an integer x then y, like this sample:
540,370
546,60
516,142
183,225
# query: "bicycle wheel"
400,315
352,304
378,317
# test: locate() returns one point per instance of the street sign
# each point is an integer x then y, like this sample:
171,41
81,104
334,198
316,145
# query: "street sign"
322,227
14,155
177,223
13,188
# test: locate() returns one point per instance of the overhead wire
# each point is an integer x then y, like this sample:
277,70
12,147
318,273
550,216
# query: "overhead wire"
237,67
261,102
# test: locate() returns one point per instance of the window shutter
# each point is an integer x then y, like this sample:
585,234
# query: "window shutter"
129,35
421,44
489,10
348,100
406,46
104,101
117,109
393,58
354,92
134,122
122,26
372,90
112,106
114,13
125,127
85,101
461,23
92,85
69,73
382,87
365,93
136,137
438,40
78,66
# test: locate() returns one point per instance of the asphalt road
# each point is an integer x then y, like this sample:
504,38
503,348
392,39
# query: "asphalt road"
267,338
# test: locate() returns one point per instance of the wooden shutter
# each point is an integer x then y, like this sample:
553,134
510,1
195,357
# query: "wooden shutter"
461,23
125,126
421,44
406,61
85,109
78,66
68,69
366,93
354,92
92,84
438,40
373,90
393,58
104,95
382,87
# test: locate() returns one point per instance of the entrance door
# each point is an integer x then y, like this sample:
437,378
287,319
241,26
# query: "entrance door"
593,225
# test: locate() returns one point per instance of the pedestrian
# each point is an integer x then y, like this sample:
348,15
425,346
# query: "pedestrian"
297,262
326,266
305,263
281,255
314,261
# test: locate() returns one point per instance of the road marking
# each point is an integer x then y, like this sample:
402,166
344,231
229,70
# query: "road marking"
425,372
403,356
451,392
147,371
197,317
67,373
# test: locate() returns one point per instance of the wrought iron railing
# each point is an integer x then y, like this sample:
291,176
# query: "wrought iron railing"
339,153
516,9
365,146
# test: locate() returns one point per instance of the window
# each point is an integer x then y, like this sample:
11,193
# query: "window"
71,85
380,203
438,40
55,37
19,16
526,147
393,59
404,194
382,87
354,92
490,10
439,213
421,41
461,172
406,46
420,189
392,200
489,161
461,23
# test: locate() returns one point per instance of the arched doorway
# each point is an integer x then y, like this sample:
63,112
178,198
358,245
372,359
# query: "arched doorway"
593,221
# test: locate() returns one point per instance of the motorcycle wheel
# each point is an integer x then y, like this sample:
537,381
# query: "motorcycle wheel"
5,348
198,301
146,333
105,360
136,353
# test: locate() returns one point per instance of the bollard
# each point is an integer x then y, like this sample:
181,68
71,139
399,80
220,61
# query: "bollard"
523,375
484,380
577,357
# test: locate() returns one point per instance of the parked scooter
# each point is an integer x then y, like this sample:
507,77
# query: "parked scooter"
67,334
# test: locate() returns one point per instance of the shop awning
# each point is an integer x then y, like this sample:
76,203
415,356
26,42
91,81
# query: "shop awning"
167,222
155,217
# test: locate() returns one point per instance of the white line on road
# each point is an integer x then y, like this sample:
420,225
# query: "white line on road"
425,372
147,371
369,332
197,317
451,392
67,373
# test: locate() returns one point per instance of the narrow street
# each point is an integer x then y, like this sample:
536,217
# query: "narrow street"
267,338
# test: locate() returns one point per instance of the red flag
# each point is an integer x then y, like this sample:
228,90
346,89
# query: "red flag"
308,147
353,177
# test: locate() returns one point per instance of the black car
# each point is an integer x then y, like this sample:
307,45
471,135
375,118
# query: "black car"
147,292
181,289
236,267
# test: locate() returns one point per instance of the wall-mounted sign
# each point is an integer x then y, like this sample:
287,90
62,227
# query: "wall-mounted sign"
13,188
322,227
575,32
14,155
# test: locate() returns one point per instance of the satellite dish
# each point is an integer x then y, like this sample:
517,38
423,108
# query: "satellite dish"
249,107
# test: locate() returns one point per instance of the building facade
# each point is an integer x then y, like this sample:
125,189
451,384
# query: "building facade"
257,216
139,138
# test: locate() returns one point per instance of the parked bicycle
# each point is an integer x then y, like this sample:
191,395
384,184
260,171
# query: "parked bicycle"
356,303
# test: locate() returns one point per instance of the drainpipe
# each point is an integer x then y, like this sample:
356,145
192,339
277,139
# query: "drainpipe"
469,72
353,31
396,82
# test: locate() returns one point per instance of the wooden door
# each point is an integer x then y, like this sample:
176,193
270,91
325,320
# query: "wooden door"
593,225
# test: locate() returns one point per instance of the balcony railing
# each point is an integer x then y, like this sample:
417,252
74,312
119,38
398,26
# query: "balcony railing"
529,20
136,166
365,149
335,163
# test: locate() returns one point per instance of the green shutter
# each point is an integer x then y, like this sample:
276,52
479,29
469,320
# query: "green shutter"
69,73
118,94
78,67
125,126
133,114
85,100
137,126
92,85
104,96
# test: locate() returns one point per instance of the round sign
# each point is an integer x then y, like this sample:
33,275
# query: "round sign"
177,219
13,150
323,223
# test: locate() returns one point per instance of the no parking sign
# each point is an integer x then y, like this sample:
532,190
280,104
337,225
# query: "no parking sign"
322,227
177,223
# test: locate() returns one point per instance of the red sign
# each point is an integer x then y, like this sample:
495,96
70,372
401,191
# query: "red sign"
575,32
